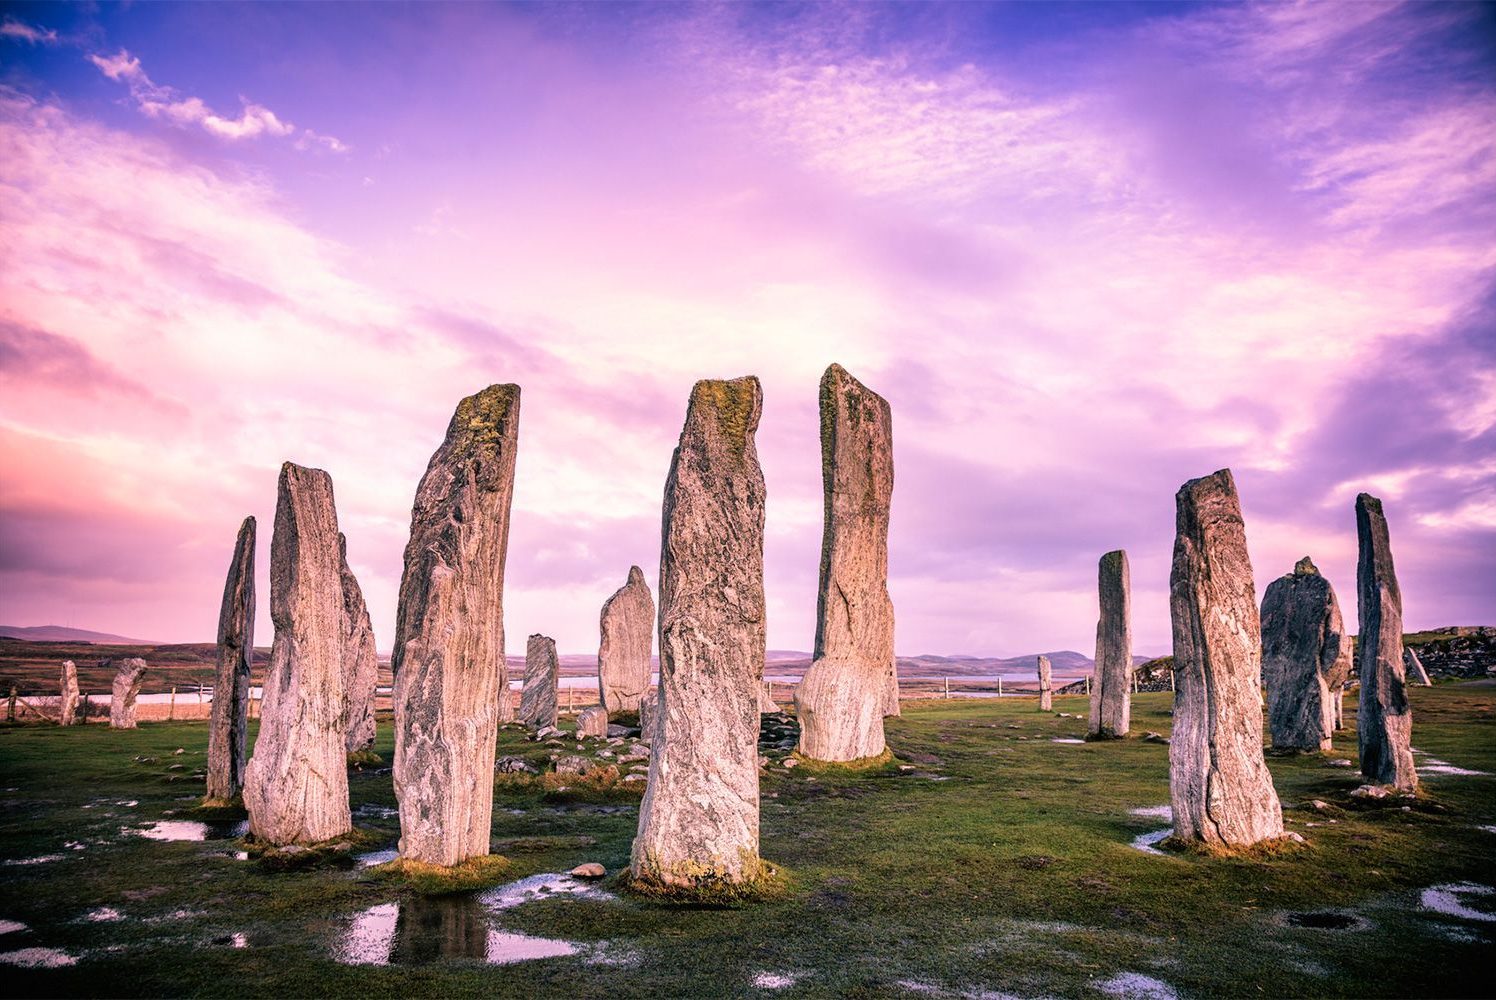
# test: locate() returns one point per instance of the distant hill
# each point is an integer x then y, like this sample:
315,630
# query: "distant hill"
59,633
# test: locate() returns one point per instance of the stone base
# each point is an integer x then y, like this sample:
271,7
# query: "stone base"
705,887
481,872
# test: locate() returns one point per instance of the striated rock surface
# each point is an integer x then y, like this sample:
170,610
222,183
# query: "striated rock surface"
844,695
537,699
67,702
451,679
360,661
127,677
698,823
1046,685
1305,658
1219,785
1384,721
1111,695
228,724
649,715
592,722
296,784
627,627
1413,667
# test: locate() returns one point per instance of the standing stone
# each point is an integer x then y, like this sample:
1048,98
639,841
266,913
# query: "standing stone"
1219,784
1111,695
296,784
1046,686
229,719
67,702
537,699
360,661
126,689
1414,667
649,715
627,627
1305,656
1384,721
844,696
698,823
451,678
592,722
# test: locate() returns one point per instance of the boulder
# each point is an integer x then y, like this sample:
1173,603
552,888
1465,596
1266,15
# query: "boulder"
1384,722
1111,695
1305,657
360,661
627,636
592,722
126,688
537,700
228,722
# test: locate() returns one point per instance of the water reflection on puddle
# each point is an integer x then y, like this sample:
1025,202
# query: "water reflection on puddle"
187,829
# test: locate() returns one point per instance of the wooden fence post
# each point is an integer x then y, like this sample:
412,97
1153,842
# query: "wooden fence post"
999,687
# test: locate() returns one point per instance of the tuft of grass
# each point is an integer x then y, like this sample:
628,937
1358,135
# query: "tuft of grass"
335,852
440,880
709,889
216,809
364,758
862,765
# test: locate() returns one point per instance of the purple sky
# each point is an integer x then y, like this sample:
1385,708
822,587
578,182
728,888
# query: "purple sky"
1087,252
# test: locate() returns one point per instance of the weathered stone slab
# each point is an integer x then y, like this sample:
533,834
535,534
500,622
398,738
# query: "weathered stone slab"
1111,695
698,824
627,635
1384,722
449,662
360,660
296,784
1304,650
592,722
1219,785
228,724
537,700
649,715
67,702
126,688
844,695
1046,685
1413,667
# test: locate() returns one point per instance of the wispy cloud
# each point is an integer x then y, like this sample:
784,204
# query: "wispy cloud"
21,31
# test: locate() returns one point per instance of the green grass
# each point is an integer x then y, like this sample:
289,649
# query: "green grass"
999,863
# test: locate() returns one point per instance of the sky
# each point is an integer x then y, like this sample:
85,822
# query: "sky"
1086,251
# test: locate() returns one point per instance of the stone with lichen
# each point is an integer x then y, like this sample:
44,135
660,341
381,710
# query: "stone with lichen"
1384,721
1305,658
626,628
228,723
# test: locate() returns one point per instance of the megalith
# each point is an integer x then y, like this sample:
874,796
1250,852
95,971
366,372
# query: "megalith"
1046,685
1304,650
592,722
537,699
649,715
67,700
228,723
1111,695
627,635
296,783
1384,722
843,697
360,661
698,823
1219,785
451,678
126,688
1413,667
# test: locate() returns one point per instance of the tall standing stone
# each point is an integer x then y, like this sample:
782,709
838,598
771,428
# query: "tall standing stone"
125,690
844,696
1111,695
360,660
1305,656
228,723
698,824
1219,784
296,784
537,699
67,700
627,635
1046,685
1384,720
450,671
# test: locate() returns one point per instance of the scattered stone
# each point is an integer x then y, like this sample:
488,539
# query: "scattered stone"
126,689
627,636
451,678
537,702
699,821
790,763
545,733
513,765
360,661
593,722
1373,792
1306,658
630,779
1046,686
228,723
1111,694
1155,738
1384,720
1340,762
573,764
1219,784
589,870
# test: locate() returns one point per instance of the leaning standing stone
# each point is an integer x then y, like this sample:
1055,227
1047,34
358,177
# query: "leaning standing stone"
296,784
1414,667
1046,688
698,824
67,702
843,697
1384,720
228,723
450,672
1304,655
627,635
125,690
1111,696
360,661
1219,785
537,700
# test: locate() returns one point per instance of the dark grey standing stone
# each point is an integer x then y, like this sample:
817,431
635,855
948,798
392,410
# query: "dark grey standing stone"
537,699
626,629
228,723
1111,695
360,660
1384,722
1305,658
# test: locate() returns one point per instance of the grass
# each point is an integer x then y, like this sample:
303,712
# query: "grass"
1000,863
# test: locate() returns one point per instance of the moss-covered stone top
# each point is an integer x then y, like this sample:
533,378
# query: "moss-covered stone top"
734,404
1305,567
482,419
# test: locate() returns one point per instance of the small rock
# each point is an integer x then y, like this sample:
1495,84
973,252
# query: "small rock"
1374,792
513,765
1297,838
1319,805
545,732
1155,738
590,870
570,764
629,779
178,751
906,768
1339,762
763,762
790,762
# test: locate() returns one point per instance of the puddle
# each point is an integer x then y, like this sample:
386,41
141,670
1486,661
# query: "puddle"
775,980
421,930
1067,739
507,897
375,858
74,845
44,859
1327,920
11,926
505,947
1487,829
38,958
1153,812
1448,900
1136,986
1145,841
1432,766
103,915
188,829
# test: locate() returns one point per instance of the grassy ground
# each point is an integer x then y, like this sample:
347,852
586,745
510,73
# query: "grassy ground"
997,862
